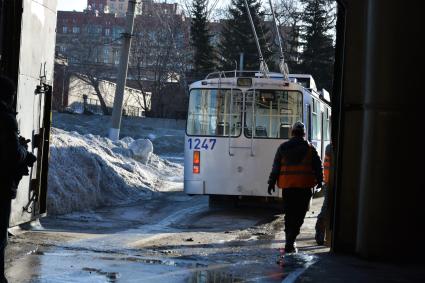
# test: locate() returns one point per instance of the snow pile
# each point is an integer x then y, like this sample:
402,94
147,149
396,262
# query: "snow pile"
142,150
167,138
88,171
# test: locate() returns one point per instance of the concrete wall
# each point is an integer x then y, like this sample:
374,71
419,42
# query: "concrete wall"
349,139
36,61
379,188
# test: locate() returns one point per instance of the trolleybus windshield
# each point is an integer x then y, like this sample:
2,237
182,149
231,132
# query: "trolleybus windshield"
270,113
214,112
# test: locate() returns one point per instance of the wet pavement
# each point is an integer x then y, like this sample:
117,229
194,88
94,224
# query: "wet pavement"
332,268
172,238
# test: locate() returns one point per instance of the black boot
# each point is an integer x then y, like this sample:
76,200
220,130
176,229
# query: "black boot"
290,245
291,248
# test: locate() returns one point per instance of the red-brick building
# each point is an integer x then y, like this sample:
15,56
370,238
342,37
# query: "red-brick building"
89,36
91,42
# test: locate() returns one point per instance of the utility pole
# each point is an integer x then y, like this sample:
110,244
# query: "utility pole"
114,131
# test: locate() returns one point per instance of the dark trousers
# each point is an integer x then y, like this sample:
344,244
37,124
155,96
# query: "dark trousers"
321,218
5,207
324,209
296,202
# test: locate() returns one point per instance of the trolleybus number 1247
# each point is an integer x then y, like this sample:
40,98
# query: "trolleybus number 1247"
199,144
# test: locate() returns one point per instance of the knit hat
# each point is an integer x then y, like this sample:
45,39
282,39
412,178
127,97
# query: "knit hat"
298,126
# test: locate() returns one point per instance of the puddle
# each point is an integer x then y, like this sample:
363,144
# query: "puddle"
293,265
208,276
167,262
298,260
65,265
111,276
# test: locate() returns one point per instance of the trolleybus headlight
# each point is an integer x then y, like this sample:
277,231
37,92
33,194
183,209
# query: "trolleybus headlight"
196,162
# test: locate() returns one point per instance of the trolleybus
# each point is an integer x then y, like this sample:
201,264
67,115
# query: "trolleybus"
235,123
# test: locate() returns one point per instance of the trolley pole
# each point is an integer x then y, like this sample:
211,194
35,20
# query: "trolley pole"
114,131
241,57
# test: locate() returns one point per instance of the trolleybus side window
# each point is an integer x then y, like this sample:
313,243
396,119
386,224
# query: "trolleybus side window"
316,120
326,124
272,113
308,121
214,112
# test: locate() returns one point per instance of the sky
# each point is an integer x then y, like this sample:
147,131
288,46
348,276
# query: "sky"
70,5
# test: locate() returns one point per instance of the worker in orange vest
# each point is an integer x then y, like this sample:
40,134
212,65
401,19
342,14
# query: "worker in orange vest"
297,169
321,218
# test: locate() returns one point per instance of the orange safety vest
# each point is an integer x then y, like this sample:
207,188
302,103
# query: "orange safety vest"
326,168
299,175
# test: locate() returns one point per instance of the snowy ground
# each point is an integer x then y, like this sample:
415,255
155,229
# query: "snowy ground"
87,170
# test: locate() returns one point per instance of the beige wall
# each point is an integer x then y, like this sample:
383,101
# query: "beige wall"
133,98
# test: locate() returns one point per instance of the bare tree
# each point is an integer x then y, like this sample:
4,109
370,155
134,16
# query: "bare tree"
212,8
288,17
159,54
87,50
92,75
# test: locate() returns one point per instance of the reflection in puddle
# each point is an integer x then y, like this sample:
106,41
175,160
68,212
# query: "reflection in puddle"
208,276
298,260
111,276
295,264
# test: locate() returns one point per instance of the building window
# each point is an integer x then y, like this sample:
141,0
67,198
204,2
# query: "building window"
76,30
62,48
116,56
64,29
107,32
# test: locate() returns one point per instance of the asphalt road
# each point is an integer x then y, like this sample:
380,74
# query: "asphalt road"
171,238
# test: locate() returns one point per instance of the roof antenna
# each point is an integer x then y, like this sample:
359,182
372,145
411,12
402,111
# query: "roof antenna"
263,64
283,67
